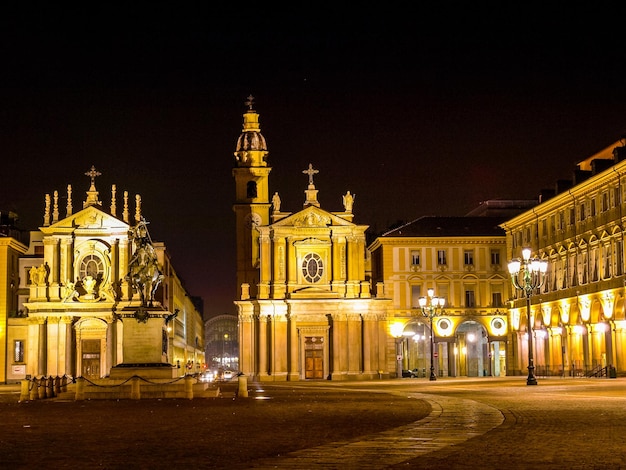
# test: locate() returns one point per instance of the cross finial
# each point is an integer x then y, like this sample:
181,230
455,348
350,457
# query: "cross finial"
250,102
92,174
310,171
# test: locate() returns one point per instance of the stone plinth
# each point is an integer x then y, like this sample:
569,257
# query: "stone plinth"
144,345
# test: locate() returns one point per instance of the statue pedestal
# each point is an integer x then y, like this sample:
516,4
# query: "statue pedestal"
144,345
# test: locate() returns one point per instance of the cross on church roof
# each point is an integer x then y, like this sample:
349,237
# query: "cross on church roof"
310,171
92,174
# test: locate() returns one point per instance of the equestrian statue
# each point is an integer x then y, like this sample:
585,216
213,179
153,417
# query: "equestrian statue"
144,272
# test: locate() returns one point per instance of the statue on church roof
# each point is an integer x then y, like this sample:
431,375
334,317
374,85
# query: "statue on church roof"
144,272
276,202
348,201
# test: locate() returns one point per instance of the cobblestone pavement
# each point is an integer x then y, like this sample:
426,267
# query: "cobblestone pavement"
486,423
489,424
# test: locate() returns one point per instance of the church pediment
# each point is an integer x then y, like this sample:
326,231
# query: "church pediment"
312,216
89,219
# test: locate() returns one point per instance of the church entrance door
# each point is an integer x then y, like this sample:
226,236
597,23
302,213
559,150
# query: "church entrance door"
314,358
90,359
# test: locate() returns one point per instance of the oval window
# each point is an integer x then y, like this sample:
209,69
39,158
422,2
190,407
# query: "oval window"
312,267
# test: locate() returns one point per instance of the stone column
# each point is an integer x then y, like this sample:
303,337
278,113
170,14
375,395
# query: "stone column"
34,354
122,268
291,265
294,355
279,343
266,266
264,348
278,281
52,364
247,342
67,260
341,347
354,344
51,258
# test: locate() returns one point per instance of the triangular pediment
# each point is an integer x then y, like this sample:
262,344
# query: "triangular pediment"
312,216
90,219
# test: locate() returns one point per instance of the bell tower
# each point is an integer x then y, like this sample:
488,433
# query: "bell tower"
252,204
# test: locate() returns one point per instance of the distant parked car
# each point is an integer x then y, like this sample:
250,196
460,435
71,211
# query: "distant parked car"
411,373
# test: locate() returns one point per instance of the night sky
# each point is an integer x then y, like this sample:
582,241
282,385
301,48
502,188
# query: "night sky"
417,112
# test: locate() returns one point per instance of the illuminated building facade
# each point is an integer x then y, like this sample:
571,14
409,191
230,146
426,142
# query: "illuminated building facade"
73,286
577,317
305,308
12,247
462,259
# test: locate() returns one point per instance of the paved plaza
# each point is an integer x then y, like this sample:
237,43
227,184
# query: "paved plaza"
486,423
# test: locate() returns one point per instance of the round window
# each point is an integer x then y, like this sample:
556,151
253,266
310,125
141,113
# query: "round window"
91,265
498,326
312,267
444,325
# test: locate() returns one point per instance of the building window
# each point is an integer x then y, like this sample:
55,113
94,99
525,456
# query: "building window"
312,267
582,212
18,350
441,257
251,190
496,299
468,257
470,301
592,207
606,261
495,257
415,258
605,202
572,216
416,293
91,265
619,258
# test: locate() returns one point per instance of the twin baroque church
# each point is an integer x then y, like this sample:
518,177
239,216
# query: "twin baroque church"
306,307
83,296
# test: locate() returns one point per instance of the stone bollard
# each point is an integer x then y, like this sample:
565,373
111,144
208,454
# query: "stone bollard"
80,389
135,388
57,386
25,390
189,387
242,391
41,388
33,389
50,387
64,383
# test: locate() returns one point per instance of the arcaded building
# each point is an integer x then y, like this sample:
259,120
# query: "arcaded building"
463,261
577,317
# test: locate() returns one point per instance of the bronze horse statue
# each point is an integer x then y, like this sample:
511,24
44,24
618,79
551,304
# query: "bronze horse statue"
144,272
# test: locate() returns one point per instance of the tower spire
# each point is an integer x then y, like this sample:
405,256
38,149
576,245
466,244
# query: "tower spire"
311,192
92,194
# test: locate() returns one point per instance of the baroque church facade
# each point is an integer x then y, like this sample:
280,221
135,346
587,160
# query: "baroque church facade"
306,308
79,296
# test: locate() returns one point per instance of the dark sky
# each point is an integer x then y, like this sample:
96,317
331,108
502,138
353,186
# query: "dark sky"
417,112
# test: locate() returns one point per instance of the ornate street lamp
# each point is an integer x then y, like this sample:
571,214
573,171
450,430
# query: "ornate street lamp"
431,308
528,274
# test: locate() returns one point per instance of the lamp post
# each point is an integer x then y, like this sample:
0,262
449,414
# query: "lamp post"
528,274
224,350
396,332
432,307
